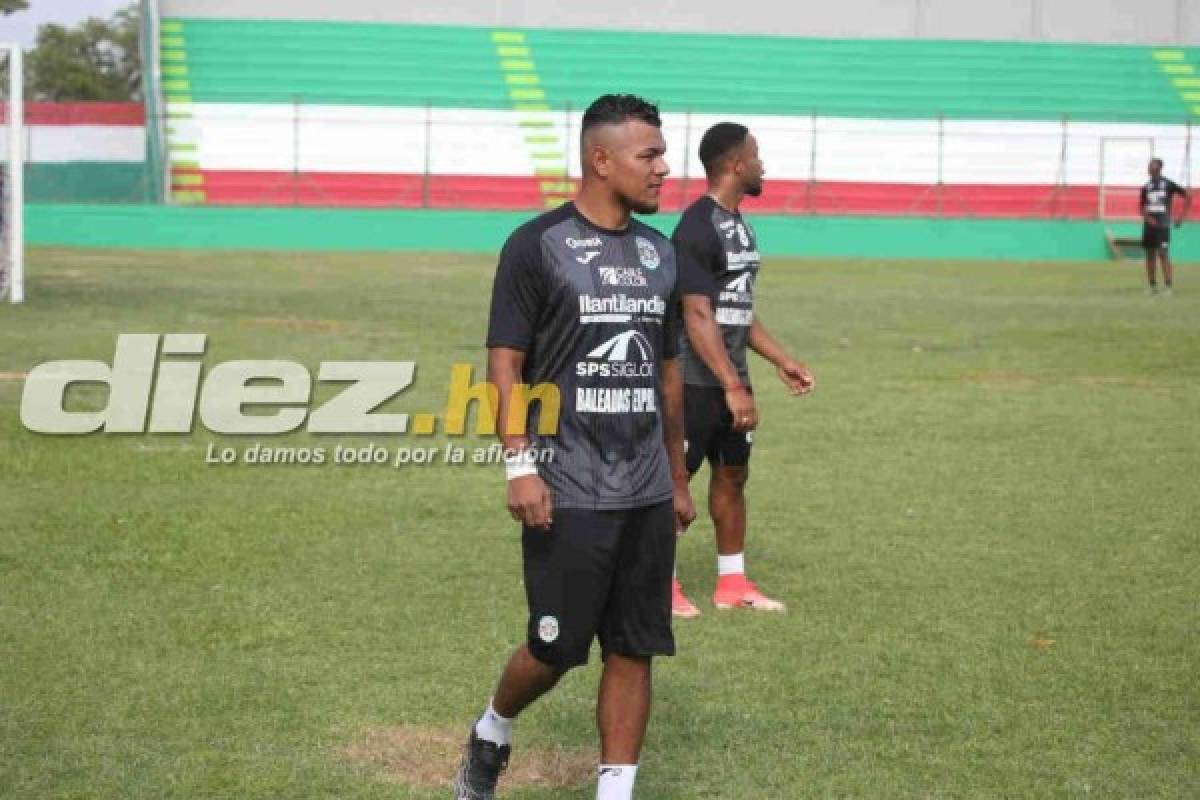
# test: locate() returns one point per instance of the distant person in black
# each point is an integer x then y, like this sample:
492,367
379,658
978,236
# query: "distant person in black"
1155,207
718,266
585,297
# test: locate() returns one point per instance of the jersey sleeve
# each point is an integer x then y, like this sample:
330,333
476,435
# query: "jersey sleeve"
1175,188
673,324
518,292
699,255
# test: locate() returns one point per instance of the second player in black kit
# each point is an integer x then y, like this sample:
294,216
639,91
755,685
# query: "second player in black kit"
718,268
723,260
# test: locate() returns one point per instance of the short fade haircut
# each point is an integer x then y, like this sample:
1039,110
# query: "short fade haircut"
1157,160
613,109
718,141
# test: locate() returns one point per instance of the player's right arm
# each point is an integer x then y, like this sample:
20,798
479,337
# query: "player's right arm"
705,336
518,299
529,499
793,373
699,254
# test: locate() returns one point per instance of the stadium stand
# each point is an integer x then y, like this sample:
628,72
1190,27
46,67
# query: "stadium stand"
271,112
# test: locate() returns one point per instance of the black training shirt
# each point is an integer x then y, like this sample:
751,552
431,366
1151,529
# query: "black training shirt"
1156,198
596,312
718,258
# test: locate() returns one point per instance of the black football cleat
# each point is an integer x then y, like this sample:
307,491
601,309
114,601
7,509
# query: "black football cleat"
482,763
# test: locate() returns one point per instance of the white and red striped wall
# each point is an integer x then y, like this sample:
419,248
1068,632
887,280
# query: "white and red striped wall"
84,152
277,154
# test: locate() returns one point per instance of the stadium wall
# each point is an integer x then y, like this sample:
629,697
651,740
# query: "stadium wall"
1111,21
84,152
166,227
292,112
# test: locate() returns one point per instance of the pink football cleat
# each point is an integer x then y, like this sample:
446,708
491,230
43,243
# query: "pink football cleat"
737,591
680,606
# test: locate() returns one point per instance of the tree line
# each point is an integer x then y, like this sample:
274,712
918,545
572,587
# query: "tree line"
93,60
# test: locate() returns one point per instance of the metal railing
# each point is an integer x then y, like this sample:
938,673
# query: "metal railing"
307,154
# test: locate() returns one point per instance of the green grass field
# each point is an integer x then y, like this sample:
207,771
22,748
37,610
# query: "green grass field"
985,522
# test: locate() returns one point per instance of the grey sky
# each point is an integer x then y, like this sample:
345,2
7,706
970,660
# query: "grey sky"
22,26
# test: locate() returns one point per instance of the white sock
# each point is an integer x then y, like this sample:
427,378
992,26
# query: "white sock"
731,565
615,781
493,727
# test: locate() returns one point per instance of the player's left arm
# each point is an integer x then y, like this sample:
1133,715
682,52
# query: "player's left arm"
1187,204
793,373
673,432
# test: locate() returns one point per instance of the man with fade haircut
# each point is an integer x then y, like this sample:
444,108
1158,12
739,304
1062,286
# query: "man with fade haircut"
1154,204
718,265
585,298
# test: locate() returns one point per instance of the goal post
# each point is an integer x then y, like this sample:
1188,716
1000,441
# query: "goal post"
12,178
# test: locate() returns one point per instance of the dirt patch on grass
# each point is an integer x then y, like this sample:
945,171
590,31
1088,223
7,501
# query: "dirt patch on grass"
296,324
1002,380
426,756
13,376
74,277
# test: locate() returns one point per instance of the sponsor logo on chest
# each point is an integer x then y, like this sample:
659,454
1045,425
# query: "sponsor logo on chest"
626,355
1156,197
742,260
620,307
622,276
615,401
739,290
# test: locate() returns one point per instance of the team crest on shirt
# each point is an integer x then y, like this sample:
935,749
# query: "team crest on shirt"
548,629
647,253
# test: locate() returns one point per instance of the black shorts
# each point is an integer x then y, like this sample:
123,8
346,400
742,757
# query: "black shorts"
1156,237
600,574
708,428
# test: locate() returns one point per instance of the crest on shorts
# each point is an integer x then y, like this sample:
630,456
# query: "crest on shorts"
548,629
647,253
